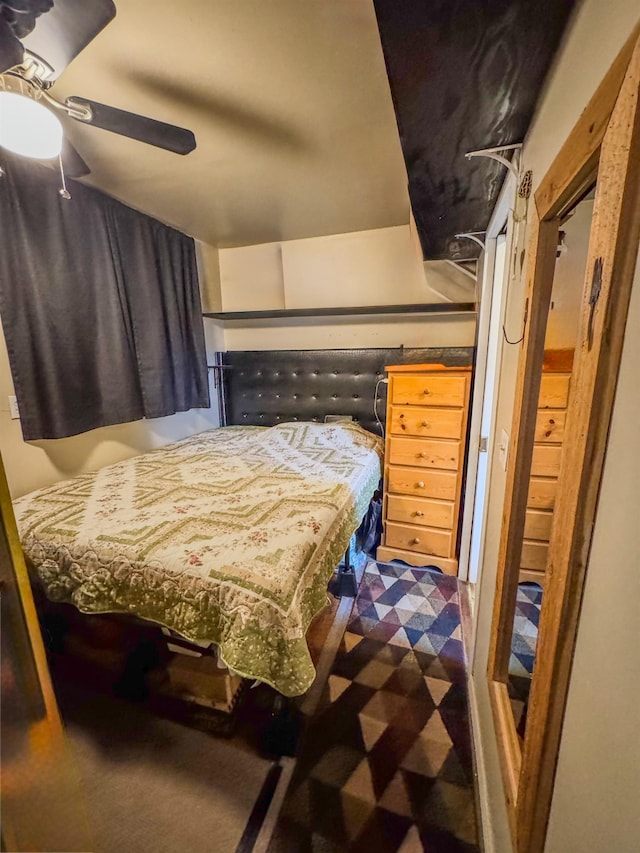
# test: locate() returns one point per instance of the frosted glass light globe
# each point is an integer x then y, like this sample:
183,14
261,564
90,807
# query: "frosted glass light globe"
28,128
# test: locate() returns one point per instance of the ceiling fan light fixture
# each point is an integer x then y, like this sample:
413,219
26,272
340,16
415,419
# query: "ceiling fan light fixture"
28,128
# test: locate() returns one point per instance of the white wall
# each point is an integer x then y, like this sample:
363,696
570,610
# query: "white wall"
364,268
595,804
596,35
208,261
252,278
378,267
568,280
348,332
31,465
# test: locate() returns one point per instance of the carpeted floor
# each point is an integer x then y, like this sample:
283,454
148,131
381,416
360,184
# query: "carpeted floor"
386,762
152,785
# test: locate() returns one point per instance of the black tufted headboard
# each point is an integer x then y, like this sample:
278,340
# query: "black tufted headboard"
263,388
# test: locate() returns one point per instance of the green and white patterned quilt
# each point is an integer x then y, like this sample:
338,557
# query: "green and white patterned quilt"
229,536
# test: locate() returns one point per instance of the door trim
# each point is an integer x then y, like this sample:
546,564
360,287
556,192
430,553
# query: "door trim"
605,143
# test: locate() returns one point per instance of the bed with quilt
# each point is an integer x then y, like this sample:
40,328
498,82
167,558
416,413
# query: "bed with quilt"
228,537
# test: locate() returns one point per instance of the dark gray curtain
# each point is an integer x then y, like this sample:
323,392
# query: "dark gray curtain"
100,307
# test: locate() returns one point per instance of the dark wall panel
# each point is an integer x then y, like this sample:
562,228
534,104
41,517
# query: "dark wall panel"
464,74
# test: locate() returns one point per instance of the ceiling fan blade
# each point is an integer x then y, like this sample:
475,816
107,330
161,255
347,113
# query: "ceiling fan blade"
66,29
11,51
149,130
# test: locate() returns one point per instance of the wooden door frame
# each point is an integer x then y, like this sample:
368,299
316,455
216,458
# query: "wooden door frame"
604,144
42,802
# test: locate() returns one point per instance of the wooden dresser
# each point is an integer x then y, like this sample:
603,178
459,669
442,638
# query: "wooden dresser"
545,467
427,408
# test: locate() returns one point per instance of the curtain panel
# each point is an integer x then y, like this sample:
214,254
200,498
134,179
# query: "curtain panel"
100,307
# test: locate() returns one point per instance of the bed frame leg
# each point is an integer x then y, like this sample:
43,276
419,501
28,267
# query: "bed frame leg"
282,733
345,584
54,628
132,683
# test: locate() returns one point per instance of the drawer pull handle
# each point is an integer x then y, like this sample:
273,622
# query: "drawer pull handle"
421,455
401,416
420,485
415,541
426,391
418,513
426,424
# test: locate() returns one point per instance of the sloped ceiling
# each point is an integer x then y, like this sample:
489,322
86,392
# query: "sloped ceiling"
289,102
294,118
464,75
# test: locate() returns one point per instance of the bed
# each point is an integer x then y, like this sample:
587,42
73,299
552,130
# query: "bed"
228,537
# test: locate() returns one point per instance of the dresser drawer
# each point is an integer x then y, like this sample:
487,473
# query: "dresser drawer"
438,423
550,427
554,391
430,513
428,484
537,524
534,555
542,493
429,390
423,540
425,453
546,461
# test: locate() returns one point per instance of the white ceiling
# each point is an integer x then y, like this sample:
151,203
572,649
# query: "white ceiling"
289,102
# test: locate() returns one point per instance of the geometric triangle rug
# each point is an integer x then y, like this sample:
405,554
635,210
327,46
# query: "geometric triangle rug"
386,763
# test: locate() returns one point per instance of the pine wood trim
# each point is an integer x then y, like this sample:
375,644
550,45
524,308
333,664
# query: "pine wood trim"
42,804
613,118
614,238
575,166
509,748
39,680
418,368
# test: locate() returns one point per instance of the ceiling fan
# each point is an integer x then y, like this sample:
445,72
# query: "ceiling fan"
38,39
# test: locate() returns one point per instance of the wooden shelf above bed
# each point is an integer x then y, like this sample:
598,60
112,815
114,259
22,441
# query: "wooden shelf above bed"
284,313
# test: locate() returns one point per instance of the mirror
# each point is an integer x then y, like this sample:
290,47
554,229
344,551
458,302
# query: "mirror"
604,144
561,337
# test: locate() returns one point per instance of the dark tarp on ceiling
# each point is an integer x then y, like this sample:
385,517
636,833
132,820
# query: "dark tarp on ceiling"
464,75
100,307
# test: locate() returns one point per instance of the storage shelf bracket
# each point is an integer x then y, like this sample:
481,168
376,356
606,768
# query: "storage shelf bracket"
472,235
496,154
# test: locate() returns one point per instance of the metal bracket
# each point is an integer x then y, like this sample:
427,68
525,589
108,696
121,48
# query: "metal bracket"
472,235
495,154
594,296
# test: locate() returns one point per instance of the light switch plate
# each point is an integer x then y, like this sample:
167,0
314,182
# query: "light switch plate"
13,409
503,449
